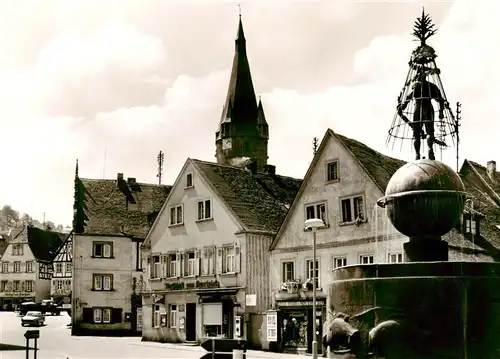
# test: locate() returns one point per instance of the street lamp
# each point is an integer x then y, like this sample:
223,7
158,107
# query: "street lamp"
313,224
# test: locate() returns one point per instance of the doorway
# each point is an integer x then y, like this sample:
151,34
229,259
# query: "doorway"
190,322
319,330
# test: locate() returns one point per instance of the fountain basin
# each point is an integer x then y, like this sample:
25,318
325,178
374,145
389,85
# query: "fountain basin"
424,199
443,309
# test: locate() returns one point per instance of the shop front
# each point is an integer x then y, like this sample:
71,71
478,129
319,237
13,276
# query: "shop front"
10,301
218,310
295,325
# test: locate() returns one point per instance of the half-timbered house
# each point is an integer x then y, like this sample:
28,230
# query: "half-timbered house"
26,267
61,283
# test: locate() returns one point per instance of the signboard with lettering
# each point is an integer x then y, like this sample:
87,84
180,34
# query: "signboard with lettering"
300,304
272,326
251,300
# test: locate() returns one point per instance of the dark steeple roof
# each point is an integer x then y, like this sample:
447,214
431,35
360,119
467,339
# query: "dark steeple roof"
241,102
261,119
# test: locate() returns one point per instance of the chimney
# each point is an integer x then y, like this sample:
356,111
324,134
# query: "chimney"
252,167
270,169
131,180
119,177
491,168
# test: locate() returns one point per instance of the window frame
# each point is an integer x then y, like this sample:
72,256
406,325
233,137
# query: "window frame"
471,225
318,271
353,209
208,261
227,254
5,265
104,244
29,283
284,271
315,205
58,265
189,177
101,311
339,257
397,254
156,315
68,268
327,171
191,263
366,255
29,266
102,280
173,259
17,267
172,315
203,210
176,212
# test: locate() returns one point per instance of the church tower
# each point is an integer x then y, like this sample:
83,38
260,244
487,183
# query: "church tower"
243,131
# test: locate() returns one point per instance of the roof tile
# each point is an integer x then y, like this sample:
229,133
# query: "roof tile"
259,200
108,211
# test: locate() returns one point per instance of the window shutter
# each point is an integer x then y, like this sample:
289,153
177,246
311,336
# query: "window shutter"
87,315
237,258
21,286
204,267
148,266
197,262
116,315
178,264
218,255
163,266
185,263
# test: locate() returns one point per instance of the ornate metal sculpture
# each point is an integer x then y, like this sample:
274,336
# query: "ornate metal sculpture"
423,85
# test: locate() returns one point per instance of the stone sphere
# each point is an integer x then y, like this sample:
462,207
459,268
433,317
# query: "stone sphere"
424,198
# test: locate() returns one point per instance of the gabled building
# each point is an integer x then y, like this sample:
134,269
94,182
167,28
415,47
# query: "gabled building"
61,283
26,266
208,249
342,185
207,253
481,220
111,219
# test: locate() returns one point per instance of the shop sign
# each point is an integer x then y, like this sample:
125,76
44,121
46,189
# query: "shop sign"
300,304
272,326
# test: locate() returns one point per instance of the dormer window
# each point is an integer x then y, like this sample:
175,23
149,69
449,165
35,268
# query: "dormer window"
189,180
471,224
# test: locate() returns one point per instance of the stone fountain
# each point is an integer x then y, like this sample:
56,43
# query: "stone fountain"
426,307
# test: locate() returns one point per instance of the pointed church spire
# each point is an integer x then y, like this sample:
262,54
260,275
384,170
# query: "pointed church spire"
261,120
241,102
76,169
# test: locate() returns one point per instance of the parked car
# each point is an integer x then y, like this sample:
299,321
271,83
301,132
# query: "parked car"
47,306
33,318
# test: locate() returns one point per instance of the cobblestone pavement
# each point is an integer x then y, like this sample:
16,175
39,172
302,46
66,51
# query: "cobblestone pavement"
56,342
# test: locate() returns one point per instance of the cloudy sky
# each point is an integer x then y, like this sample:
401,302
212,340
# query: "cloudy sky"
114,82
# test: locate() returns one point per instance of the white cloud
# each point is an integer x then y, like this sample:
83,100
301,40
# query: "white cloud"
107,92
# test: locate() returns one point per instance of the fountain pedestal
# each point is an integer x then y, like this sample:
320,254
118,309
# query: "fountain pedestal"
425,249
426,307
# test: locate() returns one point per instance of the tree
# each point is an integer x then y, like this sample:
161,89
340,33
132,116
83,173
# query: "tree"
10,216
49,226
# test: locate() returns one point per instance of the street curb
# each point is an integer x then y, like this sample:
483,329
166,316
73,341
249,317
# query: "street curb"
251,353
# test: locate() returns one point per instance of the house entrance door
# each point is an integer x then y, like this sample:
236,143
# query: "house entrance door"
294,331
190,322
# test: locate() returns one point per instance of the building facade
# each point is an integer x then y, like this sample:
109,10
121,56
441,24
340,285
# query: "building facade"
62,276
26,266
206,255
111,219
342,186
